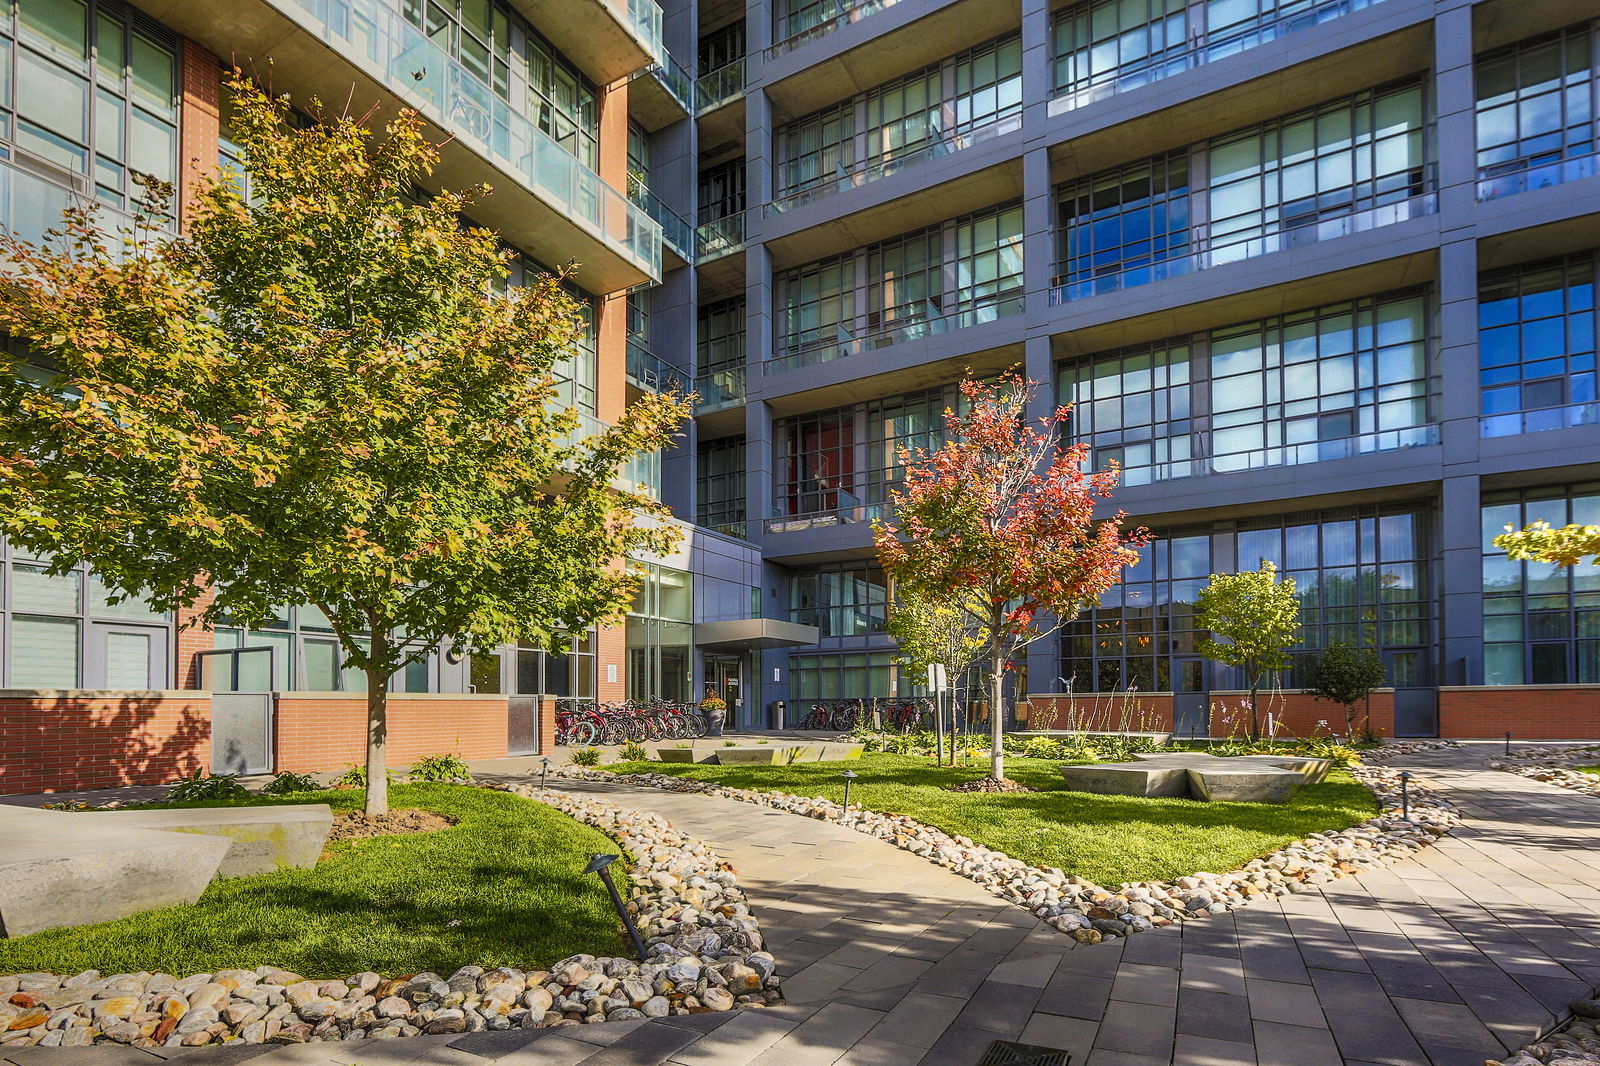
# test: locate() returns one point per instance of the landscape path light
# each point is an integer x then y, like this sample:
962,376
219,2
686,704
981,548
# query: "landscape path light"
849,776
543,770
600,864
1405,795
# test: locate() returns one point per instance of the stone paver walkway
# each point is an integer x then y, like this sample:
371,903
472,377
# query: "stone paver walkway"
1459,955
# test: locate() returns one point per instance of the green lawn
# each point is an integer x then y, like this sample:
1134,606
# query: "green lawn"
1107,839
1587,769
509,872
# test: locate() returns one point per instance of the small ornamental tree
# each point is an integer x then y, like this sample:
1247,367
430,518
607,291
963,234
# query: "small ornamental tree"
1540,543
1258,618
998,523
323,394
1346,676
934,633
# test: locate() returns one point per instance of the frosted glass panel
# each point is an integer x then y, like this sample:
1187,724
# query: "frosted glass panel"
128,657
33,590
44,653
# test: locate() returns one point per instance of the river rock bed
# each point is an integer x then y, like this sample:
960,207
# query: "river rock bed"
1401,748
704,948
1551,765
1090,913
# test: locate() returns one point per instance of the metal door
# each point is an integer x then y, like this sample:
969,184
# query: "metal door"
1416,712
241,732
1191,712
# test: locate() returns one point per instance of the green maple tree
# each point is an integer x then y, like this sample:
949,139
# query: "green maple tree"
1258,618
325,393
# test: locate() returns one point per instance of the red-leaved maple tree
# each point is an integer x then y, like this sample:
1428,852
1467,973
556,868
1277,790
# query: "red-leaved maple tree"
999,523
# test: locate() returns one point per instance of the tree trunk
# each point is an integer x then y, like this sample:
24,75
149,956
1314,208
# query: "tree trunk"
378,729
1255,715
997,687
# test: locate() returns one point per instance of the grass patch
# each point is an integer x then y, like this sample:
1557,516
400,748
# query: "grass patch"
1107,839
1588,769
503,887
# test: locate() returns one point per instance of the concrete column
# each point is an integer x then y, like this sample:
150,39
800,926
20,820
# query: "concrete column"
1461,582
759,472
1037,77
1038,240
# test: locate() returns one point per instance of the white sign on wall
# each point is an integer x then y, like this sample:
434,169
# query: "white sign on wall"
611,673
775,673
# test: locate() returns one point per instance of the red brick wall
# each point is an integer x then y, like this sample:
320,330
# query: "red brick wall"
192,638
1145,712
547,726
200,122
328,731
1300,712
1531,712
59,741
611,649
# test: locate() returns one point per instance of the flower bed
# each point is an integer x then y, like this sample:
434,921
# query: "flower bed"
705,952
1090,913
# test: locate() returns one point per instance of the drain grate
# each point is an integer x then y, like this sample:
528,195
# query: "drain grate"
1008,1053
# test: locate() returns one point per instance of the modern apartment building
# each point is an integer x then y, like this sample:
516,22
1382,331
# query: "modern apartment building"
1317,273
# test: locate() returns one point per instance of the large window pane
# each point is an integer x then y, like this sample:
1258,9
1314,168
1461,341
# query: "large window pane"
44,652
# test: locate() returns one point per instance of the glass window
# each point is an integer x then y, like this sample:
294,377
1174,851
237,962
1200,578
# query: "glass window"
44,652
841,600
720,499
1536,346
1118,44
1134,407
1535,102
1115,226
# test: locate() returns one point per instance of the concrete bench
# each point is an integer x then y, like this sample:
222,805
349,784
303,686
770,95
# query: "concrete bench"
264,839
61,868
1240,779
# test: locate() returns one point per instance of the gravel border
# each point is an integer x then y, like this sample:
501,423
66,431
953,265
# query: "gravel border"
1576,1043
705,953
1090,913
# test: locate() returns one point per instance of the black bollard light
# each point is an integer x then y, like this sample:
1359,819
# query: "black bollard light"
598,864
849,776
545,769
1405,795
1508,742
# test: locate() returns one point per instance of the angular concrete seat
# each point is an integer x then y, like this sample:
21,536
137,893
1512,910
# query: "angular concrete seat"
264,838
1129,779
1314,770
59,869
1245,784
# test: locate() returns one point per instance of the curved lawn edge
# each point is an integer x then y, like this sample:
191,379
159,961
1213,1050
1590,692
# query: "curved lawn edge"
1090,913
704,953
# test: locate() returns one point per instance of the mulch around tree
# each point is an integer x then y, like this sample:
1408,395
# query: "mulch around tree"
358,825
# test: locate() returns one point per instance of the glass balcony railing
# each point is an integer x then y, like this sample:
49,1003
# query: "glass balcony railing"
1303,453
671,76
649,371
805,509
643,20
32,202
718,390
675,231
719,238
866,171
1156,67
1235,248
375,37
722,86
642,474
1510,182
832,16
911,324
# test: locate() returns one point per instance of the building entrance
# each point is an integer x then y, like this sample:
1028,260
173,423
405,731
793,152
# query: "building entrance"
725,677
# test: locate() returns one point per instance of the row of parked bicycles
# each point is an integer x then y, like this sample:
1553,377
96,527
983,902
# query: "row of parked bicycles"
582,723
886,713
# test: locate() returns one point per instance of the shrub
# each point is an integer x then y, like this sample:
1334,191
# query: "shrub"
447,767
730,743
633,751
585,756
356,777
1042,748
203,786
284,783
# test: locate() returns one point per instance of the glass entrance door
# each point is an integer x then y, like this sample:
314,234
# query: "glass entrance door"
725,677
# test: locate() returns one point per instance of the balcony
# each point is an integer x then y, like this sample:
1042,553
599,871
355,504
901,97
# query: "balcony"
1153,68
719,390
866,171
845,13
675,232
1135,472
718,238
929,320
648,372
1236,248
661,93
607,39
1510,182
719,88
821,509
325,48
642,474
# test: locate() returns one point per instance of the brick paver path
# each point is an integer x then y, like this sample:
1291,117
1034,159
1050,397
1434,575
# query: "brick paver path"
1456,956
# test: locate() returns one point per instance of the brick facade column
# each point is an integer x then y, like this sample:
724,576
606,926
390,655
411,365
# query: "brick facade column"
200,124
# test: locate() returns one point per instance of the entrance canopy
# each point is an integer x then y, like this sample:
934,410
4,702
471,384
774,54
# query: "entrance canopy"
754,633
